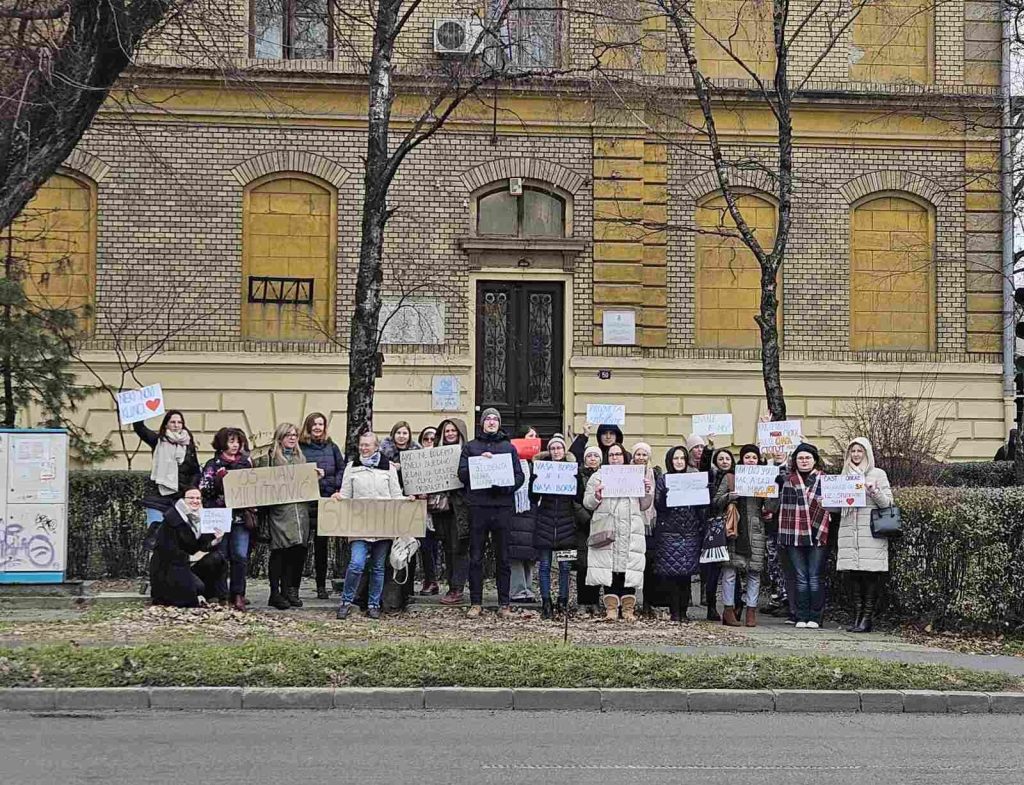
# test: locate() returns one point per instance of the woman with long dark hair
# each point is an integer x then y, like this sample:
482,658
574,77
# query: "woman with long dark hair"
320,449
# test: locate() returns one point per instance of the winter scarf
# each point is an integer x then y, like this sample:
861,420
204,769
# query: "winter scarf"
370,461
802,519
523,492
187,515
168,455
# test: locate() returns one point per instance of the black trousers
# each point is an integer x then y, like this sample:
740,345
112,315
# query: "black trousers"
285,567
618,587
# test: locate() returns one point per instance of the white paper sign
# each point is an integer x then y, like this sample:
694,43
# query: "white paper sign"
495,471
843,490
623,482
606,414
444,397
557,478
712,424
779,437
618,328
687,489
757,481
213,518
138,405
431,471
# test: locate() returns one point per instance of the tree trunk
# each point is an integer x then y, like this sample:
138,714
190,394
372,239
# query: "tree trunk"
1018,453
7,371
768,322
363,337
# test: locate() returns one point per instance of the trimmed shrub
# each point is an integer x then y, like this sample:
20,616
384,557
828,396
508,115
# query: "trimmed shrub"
106,524
960,562
979,474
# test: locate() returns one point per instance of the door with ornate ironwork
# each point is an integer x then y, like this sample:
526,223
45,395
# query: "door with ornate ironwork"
519,339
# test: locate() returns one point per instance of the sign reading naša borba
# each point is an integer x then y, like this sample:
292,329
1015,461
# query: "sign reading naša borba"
269,485
385,519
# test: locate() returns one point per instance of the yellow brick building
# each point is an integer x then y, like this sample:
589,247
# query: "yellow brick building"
230,211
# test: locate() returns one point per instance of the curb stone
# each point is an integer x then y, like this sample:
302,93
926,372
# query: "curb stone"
501,699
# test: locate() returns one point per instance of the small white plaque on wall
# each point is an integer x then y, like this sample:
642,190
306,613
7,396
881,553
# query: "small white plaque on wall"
411,321
619,328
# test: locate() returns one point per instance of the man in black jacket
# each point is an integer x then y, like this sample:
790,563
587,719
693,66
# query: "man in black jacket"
490,510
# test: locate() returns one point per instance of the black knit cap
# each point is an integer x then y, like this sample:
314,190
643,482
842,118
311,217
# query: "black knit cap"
808,448
750,448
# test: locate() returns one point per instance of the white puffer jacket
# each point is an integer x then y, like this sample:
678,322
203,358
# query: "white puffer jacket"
858,550
367,482
627,554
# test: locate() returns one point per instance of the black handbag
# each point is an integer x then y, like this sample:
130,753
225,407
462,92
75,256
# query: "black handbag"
886,523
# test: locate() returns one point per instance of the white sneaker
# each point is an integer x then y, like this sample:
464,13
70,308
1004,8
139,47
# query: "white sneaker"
812,625
800,625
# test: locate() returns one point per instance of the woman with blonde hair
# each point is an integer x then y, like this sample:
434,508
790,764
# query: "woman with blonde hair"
288,524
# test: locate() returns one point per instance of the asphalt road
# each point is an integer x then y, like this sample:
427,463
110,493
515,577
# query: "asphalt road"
303,748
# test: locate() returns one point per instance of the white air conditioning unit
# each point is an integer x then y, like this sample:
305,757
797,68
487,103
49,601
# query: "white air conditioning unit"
456,36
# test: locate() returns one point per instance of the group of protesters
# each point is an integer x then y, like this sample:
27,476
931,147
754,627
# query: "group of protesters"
619,547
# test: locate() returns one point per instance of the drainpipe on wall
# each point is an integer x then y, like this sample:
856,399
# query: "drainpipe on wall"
1006,160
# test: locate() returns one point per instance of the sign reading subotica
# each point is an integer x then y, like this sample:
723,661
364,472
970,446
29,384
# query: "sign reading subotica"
372,518
271,485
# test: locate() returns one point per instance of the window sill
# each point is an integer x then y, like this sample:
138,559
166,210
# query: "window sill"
538,252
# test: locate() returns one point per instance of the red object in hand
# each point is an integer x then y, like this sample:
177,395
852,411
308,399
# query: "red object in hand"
527,448
221,471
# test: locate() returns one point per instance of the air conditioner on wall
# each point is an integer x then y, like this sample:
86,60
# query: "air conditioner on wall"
456,36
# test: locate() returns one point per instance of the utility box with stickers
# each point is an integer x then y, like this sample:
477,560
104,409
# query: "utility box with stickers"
33,505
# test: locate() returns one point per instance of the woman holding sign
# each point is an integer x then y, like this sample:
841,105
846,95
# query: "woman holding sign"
185,565
617,544
451,520
863,555
678,536
288,524
555,527
175,466
803,531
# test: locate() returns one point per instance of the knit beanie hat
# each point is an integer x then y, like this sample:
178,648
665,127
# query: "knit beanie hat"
491,412
693,440
595,451
557,439
807,448
750,448
640,446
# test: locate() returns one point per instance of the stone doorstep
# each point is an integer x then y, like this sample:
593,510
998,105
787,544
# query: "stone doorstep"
501,699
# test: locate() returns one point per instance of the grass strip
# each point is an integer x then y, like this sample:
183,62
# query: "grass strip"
285,664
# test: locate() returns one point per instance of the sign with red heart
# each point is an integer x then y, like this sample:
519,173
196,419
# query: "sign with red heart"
138,405
843,491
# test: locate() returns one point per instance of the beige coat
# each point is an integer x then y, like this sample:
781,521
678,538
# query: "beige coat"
858,549
365,482
626,518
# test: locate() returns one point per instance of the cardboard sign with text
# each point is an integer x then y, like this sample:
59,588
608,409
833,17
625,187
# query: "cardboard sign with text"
358,519
687,490
623,482
843,490
431,471
268,485
137,405
557,478
757,481
493,472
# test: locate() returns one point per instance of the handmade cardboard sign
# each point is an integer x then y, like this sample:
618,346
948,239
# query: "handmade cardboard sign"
431,471
384,519
687,489
606,414
779,437
757,481
623,482
137,405
213,518
297,482
843,490
557,478
712,424
495,471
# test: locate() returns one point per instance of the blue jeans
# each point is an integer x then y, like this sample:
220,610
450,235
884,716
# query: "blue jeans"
544,571
153,520
807,562
361,550
235,549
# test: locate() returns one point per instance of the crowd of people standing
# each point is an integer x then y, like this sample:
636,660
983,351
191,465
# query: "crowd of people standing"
623,546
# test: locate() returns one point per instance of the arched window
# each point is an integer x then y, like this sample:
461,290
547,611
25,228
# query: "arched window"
54,243
289,250
746,27
537,212
728,275
893,41
892,275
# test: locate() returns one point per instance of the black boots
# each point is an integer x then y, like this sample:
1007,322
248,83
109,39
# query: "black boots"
869,586
547,611
292,594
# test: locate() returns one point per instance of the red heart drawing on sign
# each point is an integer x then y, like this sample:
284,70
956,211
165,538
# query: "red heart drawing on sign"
153,404
850,500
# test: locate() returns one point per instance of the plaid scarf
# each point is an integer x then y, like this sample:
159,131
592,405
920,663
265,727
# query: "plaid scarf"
802,519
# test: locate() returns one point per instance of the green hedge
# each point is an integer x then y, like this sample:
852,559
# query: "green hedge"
105,524
979,474
960,562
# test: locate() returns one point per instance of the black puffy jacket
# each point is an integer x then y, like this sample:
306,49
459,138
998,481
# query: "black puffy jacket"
496,444
678,536
555,528
519,538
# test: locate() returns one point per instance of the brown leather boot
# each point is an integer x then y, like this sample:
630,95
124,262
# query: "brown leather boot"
729,617
751,620
239,603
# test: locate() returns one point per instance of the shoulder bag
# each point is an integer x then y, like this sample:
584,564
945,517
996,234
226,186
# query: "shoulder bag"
886,523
